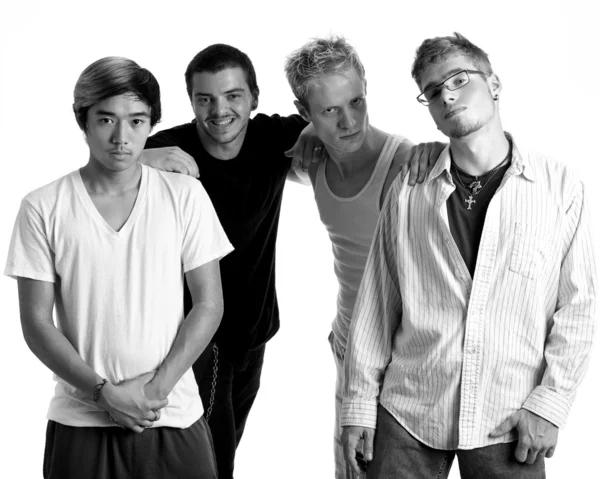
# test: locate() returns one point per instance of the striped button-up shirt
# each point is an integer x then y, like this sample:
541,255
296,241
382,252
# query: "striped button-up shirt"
450,356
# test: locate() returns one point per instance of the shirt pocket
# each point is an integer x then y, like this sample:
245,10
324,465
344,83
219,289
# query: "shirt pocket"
526,255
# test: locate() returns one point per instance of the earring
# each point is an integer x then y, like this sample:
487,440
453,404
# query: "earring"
496,98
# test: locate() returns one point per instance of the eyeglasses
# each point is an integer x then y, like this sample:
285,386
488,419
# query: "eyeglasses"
454,82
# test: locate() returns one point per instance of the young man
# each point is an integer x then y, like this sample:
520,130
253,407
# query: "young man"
243,169
474,322
328,80
108,245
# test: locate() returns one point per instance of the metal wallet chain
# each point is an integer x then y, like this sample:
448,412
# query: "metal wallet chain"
213,387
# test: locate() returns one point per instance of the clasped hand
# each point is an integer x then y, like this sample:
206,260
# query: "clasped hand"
134,403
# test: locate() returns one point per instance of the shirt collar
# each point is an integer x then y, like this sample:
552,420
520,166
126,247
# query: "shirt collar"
520,165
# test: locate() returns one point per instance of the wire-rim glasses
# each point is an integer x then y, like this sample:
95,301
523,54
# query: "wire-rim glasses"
453,82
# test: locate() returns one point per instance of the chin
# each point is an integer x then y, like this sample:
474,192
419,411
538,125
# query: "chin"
462,130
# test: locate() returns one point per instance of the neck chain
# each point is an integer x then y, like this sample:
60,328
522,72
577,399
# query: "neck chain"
475,186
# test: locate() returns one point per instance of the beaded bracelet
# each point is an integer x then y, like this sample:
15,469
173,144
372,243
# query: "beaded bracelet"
97,388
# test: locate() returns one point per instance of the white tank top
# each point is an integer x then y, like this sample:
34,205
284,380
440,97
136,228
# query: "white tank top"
351,224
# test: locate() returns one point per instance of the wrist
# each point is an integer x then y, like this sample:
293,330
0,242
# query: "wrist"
98,389
104,395
156,387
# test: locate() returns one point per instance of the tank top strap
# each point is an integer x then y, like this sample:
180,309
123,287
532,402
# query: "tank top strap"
385,158
384,162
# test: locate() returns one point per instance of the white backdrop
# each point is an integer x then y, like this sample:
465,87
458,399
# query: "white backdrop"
544,52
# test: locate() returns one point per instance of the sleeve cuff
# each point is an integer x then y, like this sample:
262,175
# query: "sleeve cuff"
359,412
219,254
549,404
16,273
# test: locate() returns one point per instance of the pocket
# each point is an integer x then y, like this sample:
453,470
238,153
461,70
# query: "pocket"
526,254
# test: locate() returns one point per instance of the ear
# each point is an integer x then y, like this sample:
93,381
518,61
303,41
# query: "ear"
254,104
302,111
495,85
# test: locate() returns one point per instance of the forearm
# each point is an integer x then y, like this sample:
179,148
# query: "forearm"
195,333
53,349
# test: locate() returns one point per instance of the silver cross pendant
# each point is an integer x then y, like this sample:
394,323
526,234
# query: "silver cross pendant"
470,201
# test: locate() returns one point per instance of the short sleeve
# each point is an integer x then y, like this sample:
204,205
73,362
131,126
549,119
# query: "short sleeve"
204,239
30,254
289,129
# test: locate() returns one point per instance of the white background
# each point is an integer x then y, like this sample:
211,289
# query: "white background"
544,52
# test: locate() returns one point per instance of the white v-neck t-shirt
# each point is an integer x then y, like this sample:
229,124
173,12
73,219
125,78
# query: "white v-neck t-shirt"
118,295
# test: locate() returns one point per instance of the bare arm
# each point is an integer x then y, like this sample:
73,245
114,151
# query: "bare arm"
36,301
306,154
197,329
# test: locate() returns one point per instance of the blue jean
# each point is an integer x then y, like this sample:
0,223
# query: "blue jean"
397,454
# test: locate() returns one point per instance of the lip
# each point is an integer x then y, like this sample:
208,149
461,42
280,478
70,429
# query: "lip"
120,153
229,122
454,112
351,136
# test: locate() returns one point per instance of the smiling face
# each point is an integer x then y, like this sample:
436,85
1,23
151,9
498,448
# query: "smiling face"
117,129
337,108
464,111
222,103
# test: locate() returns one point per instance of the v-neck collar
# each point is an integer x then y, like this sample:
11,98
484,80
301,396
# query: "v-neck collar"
140,200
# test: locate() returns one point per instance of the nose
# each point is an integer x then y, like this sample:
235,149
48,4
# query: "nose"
219,106
346,120
120,133
448,96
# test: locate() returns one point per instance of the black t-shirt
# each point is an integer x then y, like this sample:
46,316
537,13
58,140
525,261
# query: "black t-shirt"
246,192
466,225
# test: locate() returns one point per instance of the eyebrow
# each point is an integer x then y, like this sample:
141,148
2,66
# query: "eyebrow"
135,113
228,92
448,74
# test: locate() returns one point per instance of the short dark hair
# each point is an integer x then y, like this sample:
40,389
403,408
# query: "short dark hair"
218,57
112,76
438,49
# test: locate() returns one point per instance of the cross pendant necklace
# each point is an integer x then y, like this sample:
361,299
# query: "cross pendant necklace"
470,201
475,186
